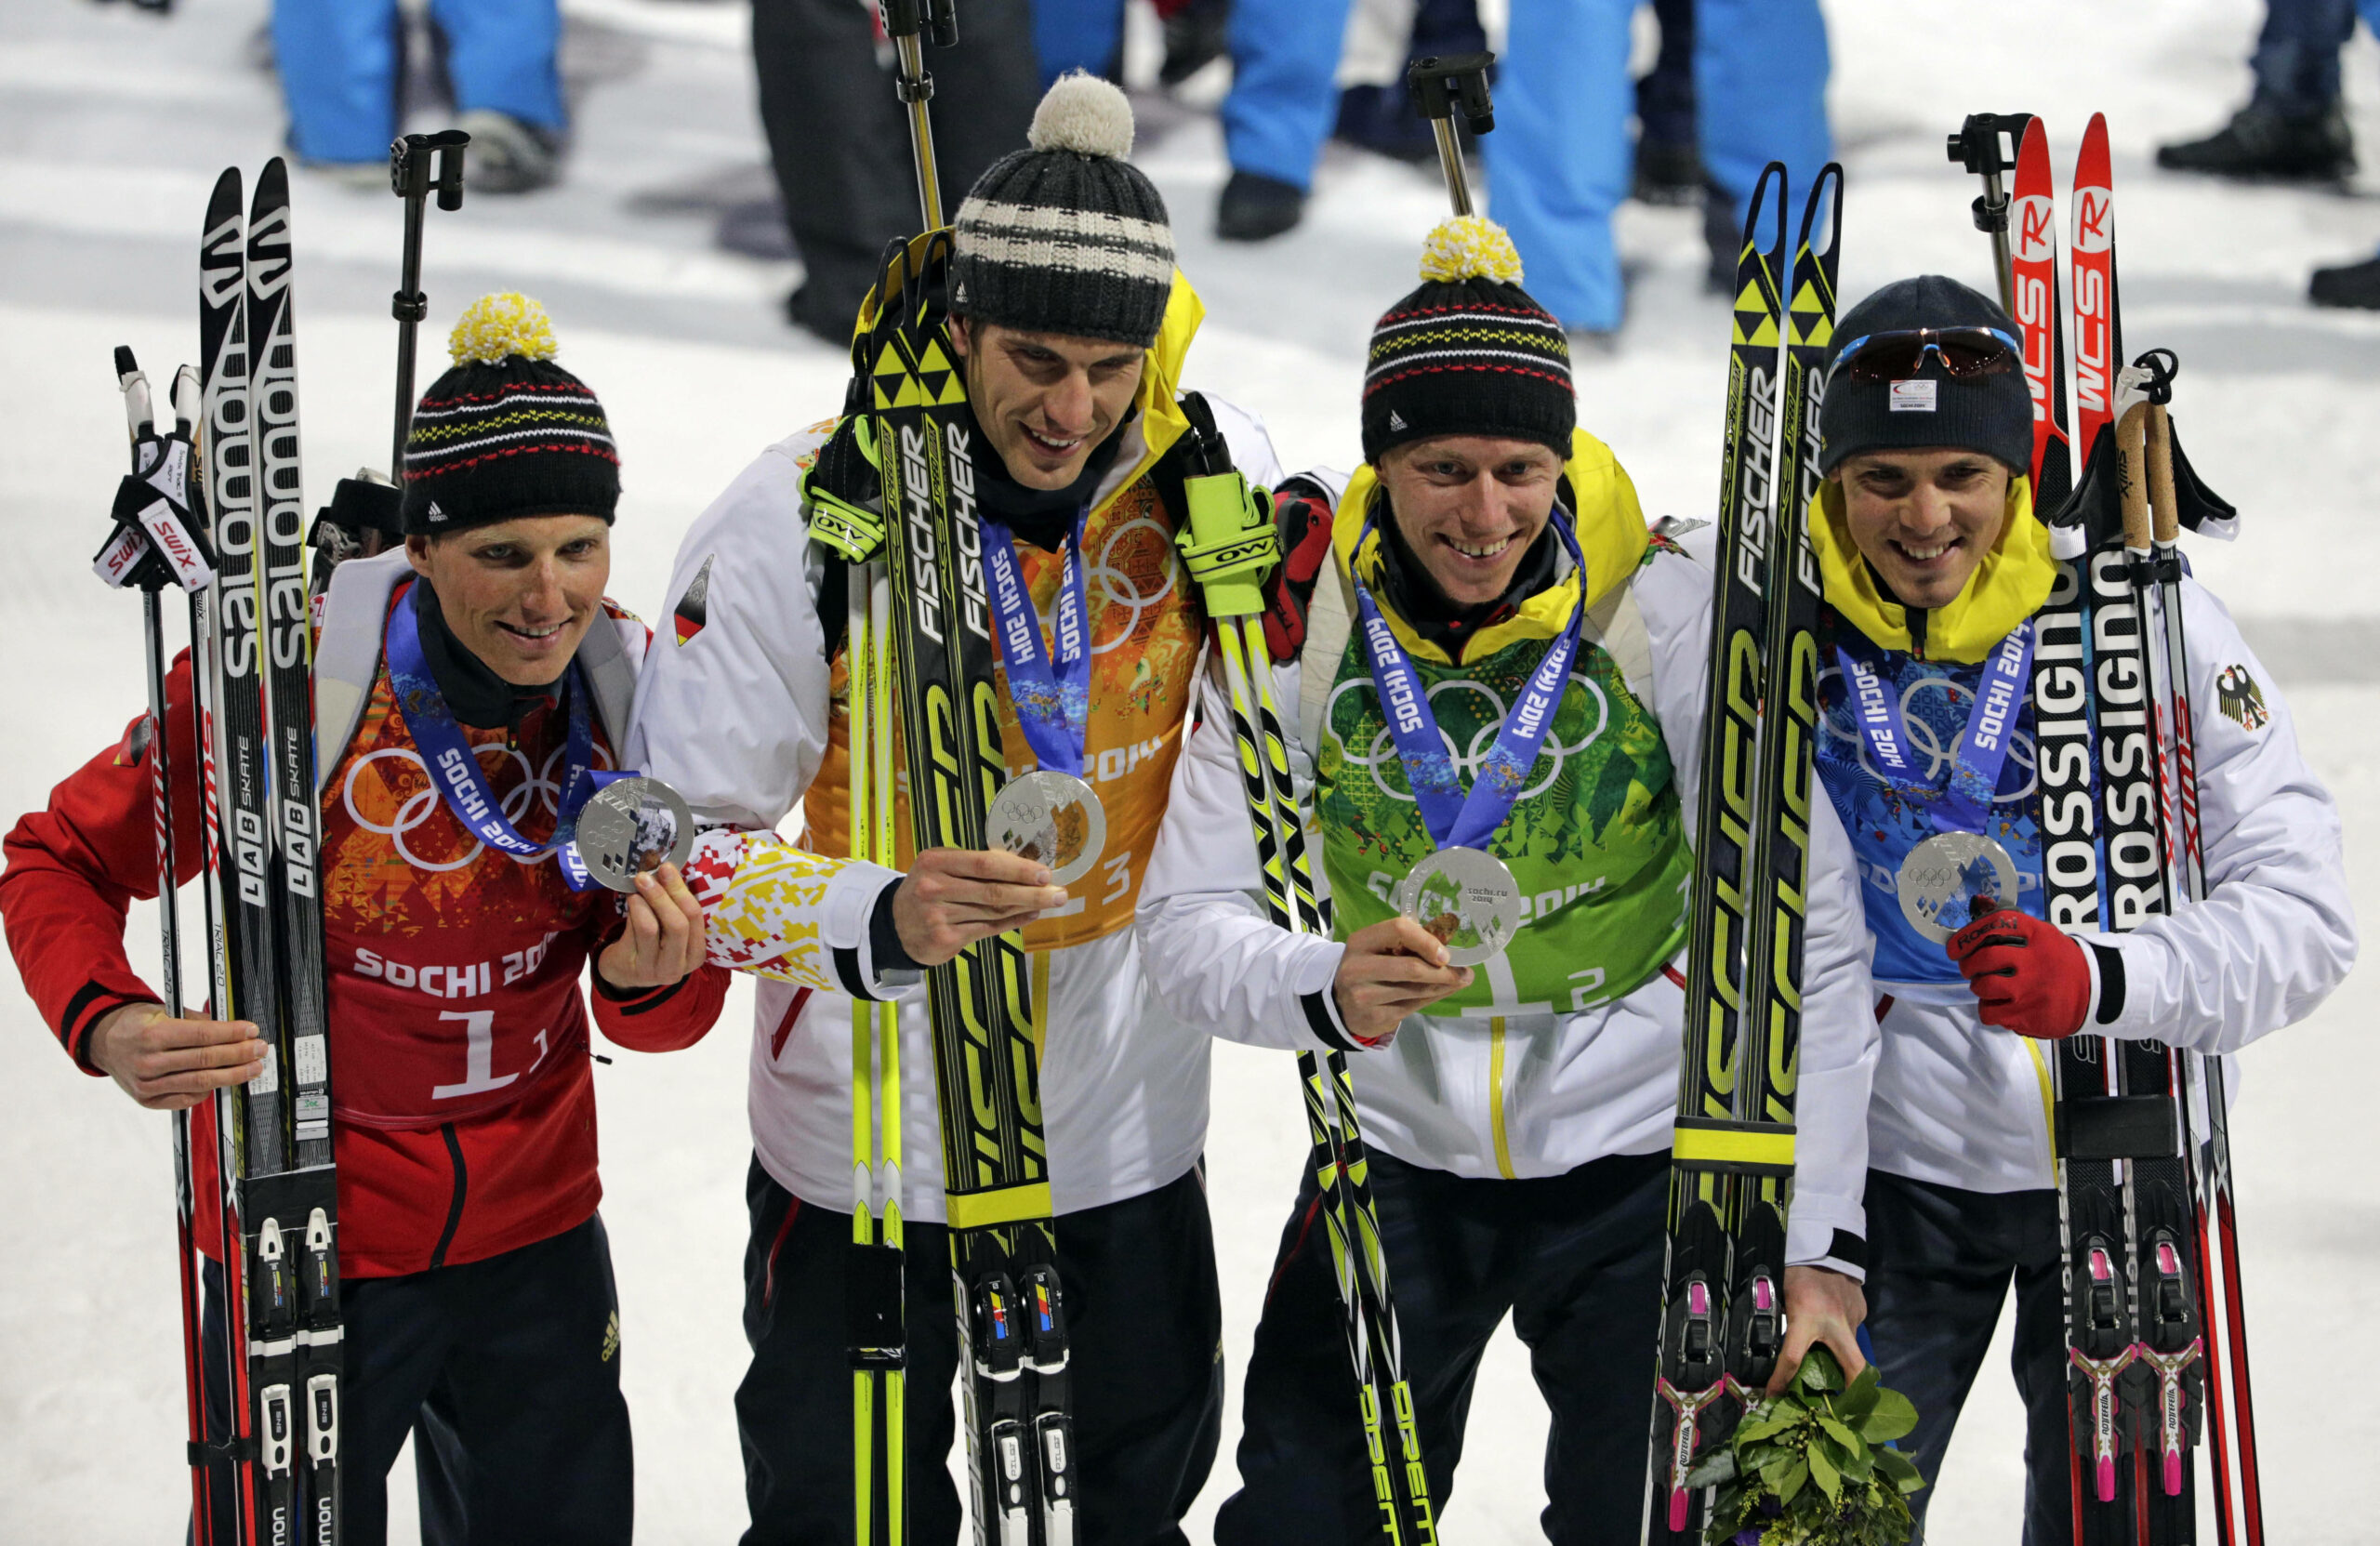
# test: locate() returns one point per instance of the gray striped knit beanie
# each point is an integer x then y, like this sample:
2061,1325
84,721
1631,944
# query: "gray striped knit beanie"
507,433
1067,236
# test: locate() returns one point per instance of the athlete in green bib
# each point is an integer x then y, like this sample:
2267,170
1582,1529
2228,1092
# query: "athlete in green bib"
1491,666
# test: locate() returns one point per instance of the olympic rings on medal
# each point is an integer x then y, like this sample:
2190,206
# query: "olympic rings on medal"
1923,739
539,784
1467,761
1114,585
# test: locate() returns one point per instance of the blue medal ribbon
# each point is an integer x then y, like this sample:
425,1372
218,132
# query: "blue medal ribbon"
1982,748
1457,818
455,767
1053,695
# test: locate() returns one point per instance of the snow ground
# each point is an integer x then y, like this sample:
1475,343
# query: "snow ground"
112,124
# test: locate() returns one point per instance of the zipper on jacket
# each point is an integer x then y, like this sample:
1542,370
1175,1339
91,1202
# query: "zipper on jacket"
462,1186
1496,1097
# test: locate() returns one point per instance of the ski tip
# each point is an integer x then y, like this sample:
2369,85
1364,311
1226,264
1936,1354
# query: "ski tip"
123,363
273,187
226,197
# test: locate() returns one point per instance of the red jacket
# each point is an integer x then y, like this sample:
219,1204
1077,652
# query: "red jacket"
438,1162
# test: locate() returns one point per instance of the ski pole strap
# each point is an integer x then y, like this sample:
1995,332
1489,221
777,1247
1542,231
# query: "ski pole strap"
840,487
454,766
1230,545
1982,747
1050,689
1456,818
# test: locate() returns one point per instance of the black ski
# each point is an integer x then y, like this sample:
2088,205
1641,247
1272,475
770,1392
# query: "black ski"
223,653
1011,1305
1732,1149
302,1203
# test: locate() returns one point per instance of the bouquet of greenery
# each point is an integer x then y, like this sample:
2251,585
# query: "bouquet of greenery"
1810,1467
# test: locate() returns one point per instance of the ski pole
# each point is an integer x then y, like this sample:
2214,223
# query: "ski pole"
2225,1337
1443,84
418,164
1980,148
905,22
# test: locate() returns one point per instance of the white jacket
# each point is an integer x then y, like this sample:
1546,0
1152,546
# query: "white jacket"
1522,1094
1961,1104
740,727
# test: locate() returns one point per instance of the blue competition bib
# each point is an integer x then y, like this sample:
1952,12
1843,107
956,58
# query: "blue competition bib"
1930,706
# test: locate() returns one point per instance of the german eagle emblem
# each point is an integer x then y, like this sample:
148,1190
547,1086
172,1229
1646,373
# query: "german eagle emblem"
2237,695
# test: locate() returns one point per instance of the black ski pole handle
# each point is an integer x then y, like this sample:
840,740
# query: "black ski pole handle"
1442,86
420,165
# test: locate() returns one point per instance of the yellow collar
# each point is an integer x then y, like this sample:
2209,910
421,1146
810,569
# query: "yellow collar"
2006,587
1610,528
1162,421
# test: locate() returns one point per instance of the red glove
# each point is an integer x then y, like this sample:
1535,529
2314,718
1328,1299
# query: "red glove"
1303,523
2030,977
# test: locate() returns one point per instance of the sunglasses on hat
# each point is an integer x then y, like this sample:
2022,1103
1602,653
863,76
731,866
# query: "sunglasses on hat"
1965,352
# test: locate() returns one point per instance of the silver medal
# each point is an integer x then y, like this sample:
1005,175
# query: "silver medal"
630,826
1053,817
1942,876
1467,898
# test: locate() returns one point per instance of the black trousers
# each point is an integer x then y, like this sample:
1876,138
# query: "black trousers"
1144,1315
506,1373
1940,1262
1575,1259
839,140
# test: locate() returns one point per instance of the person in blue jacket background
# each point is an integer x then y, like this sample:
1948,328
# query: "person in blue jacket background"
1559,162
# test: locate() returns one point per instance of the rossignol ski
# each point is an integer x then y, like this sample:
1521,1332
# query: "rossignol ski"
1732,1149
2130,1210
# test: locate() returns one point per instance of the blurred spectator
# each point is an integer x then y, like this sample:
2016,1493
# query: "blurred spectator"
1669,167
1559,161
839,139
1088,36
341,64
2293,127
1380,117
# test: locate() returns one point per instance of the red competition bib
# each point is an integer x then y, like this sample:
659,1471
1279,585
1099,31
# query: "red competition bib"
453,969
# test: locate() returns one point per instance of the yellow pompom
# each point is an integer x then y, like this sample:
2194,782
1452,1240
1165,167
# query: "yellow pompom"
494,326
1470,246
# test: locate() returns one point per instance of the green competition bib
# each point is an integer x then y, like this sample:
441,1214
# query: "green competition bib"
1597,839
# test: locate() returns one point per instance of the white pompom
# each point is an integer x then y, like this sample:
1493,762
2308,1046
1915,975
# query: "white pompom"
1083,113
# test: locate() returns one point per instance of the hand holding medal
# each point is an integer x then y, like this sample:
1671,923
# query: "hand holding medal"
1050,815
1392,969
1941,879
1464,896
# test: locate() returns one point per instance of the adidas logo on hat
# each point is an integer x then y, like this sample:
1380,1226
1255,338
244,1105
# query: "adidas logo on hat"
434,512
1397,421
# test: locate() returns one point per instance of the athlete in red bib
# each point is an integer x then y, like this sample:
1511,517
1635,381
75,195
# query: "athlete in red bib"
477,1286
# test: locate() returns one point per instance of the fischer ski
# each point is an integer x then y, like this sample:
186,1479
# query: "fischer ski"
1732,1149
924,559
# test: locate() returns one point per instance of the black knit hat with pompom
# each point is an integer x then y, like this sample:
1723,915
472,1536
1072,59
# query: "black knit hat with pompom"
507,433
1067,236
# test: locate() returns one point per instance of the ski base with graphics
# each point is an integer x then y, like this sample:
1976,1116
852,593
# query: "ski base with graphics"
1732,1148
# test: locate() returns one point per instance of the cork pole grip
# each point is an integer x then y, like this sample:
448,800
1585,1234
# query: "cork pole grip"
2164,511
2131,437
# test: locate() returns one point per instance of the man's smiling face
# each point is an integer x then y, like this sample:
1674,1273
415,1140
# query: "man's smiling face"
1045,400
1470,506
1923,518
